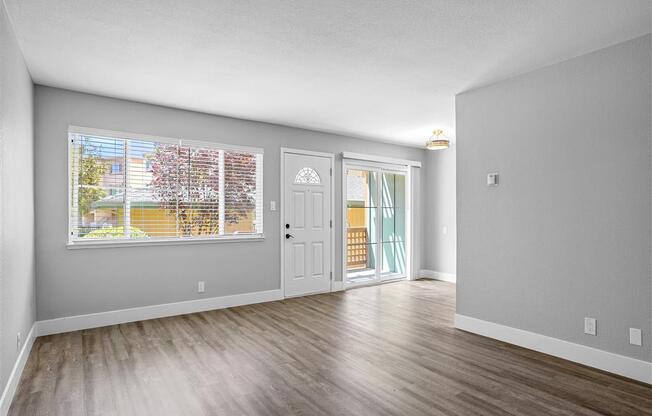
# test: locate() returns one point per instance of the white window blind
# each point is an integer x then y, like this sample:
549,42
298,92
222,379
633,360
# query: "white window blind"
166,189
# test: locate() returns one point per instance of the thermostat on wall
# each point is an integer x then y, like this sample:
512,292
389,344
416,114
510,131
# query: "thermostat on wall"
492,179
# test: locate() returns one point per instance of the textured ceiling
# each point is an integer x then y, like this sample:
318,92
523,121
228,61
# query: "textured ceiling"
386,70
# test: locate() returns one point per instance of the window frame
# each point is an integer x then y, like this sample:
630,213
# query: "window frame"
73,243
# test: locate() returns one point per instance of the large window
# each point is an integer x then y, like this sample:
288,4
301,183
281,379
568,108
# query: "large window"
127,187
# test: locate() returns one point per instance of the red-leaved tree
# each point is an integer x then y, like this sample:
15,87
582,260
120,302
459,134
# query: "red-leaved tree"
186,182
239,186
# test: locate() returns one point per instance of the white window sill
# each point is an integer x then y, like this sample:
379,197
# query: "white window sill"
172,242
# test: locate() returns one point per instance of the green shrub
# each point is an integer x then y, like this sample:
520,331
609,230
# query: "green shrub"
115,232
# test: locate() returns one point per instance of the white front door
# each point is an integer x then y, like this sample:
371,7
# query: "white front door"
306,227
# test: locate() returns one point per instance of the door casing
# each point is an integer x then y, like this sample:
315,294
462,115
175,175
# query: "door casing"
331,157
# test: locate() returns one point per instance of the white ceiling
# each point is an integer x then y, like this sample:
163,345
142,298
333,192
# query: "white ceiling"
386,70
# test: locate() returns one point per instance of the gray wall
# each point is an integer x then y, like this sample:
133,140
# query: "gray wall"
18,310
72,282
567,233
441,211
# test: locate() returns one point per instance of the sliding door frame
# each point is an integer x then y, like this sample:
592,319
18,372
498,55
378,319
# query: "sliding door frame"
379,168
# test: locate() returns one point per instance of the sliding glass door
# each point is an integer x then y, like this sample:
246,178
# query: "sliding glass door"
375,224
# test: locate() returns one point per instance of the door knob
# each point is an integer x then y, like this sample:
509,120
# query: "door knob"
288,236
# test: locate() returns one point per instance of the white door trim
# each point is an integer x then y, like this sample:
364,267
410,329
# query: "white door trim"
381,159
331,156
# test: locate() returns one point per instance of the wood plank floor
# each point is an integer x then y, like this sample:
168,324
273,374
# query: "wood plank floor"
384,350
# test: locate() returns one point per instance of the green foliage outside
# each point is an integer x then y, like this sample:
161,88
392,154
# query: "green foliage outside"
115,232
90,176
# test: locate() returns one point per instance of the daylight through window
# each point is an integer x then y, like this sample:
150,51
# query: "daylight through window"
163,189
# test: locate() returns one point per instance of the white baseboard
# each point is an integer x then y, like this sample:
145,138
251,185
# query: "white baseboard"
431,274
94,320
337,286
17,371
592,357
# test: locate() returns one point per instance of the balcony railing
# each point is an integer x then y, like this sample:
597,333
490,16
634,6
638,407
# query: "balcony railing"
356,248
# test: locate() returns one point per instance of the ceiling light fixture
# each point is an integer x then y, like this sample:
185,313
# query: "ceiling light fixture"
437,141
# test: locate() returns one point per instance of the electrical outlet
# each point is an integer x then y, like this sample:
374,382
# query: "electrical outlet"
590,326
19,341
201,287
635,336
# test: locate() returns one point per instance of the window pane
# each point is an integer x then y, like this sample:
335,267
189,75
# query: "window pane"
97,193
361,258
361,221
199,209
140,189
393,190
393,223
393,258
240,190
104,217
389,224
360,188
399,191
307,176
139,198
156,192
358,233
393,207
150,219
